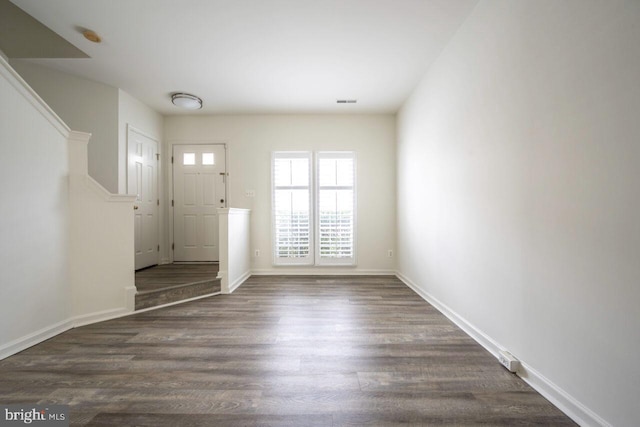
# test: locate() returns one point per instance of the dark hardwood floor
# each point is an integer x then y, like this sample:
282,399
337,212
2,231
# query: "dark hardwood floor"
163,284
168,275
280,351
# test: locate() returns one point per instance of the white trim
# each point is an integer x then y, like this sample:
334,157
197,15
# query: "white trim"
144,310
483,339
158,184
79,137
560,398
132,128
320,271
100,316
34,99
239,281
550,391
307,155
23,343
103,193
318,259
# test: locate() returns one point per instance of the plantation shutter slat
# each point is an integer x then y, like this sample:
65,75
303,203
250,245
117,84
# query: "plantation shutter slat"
314,220
292,208
336,208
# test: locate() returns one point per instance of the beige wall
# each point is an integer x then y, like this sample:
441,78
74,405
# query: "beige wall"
518,201
252,138
85,106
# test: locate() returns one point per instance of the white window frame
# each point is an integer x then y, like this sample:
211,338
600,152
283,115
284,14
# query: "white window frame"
308,260
329,261
314,258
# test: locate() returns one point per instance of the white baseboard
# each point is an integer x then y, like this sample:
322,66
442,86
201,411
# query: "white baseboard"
483,339
550,391
239,281
23,343
100,316
320,271
560,398
175,303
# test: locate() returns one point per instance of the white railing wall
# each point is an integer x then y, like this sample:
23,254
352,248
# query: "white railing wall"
67,244
102,245
235,247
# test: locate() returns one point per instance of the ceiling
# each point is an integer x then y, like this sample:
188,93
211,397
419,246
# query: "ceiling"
256,56
22,36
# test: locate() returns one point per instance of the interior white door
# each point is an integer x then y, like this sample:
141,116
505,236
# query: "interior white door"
198,190
142,180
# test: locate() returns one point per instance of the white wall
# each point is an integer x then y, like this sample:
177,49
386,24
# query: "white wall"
67,247
102,243
132,112
235,247
252,138
34,248
85,106
518,201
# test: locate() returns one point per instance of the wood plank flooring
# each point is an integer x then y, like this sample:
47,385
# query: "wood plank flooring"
280,351
168,283
168,275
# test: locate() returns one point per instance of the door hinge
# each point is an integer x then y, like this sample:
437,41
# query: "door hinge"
157,156
172,203
173,246
158,248
158,202
172,159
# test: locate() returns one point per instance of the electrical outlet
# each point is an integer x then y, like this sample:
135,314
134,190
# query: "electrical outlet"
250,193
257,253
390,253
508,360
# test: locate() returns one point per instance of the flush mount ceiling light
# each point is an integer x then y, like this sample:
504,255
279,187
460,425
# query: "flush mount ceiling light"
91,36
185,100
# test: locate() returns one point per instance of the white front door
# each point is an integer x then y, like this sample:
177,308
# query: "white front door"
142,180
198,190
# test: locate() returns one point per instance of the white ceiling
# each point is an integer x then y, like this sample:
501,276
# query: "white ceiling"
256,56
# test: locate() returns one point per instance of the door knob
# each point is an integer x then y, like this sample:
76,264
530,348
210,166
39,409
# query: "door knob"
135,208
221,200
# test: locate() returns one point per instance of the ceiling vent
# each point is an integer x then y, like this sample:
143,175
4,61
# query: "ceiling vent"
347,101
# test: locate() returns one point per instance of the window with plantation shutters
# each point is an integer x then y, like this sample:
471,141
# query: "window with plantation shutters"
313,206
292,216
335,229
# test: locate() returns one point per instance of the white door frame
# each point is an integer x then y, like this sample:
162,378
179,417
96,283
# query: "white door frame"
158,183
171,144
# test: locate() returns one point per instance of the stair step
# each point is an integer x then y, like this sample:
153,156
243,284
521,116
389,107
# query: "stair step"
156,297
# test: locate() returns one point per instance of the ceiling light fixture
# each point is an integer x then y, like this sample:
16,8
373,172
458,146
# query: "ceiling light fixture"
91,36
186,100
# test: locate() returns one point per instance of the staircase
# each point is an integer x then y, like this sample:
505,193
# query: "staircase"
171,283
